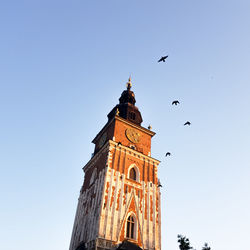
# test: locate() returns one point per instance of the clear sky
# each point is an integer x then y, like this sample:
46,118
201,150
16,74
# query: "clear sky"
63,66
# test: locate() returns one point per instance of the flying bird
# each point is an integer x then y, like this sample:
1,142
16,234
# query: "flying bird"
175,102
187,123
168,154
163,58
159,185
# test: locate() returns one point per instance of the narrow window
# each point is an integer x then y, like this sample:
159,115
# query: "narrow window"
132,174
132,115
131,227
93,177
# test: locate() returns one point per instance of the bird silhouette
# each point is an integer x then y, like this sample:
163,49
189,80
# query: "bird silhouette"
187,123
159,185
175,102
163,58
168,154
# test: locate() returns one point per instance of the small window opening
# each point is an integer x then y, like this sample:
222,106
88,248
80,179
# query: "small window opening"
132,174
132,115
131,227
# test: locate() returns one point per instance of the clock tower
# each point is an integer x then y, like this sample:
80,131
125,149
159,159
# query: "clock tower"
119,203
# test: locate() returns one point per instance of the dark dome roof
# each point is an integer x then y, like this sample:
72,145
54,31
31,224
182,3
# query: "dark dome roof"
127,96
126,107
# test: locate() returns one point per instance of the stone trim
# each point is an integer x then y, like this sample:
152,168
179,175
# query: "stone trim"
134,153
147,131
113,145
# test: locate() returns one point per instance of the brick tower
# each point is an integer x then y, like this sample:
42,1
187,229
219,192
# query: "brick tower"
119,203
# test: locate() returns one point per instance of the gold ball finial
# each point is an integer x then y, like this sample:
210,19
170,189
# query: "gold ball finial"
129,83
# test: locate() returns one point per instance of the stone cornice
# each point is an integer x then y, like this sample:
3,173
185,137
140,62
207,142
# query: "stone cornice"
147,131
114,144
117,117
134,153
96,156
99,134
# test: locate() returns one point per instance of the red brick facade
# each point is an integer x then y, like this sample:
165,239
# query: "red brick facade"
120,181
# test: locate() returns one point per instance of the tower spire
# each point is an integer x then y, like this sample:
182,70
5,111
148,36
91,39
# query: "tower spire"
126,107
129,83
120,181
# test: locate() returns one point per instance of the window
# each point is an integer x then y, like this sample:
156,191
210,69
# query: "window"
131,227
132,115
132,174
93,177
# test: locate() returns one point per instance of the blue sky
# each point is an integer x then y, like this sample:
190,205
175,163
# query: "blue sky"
63,66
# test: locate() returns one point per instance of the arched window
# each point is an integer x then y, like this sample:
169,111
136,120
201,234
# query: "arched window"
132,174
131,227
132,115
93,177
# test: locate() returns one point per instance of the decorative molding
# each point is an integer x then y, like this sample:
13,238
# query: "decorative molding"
135,153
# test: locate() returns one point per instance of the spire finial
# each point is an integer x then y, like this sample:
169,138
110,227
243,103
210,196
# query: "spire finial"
129,84
117,111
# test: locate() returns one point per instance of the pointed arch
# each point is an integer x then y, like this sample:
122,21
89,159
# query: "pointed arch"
129,208
133,173
131,226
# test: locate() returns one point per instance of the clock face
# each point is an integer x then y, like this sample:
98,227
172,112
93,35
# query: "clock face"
132,135
102,140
